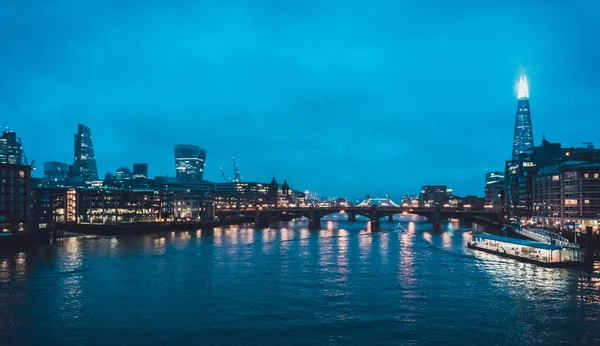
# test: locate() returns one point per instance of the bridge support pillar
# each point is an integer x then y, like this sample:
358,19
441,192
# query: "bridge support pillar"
391,218
375,225
314,225
314,222
374,217
436,218
260,222
351,217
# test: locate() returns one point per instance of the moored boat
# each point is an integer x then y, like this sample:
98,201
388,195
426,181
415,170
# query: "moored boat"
540,253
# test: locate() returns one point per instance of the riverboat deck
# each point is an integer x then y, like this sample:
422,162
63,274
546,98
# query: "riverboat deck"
542,254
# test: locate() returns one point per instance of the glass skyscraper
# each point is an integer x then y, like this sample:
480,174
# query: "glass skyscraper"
11,150
523,139
189,162
85,160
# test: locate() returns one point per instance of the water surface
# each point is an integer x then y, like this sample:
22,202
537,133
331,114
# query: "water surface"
287,285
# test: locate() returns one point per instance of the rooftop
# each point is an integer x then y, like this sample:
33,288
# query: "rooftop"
522,242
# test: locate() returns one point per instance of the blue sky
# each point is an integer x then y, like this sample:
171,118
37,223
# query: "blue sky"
342,97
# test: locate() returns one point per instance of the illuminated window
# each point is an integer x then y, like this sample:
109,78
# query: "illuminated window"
555,177
586,175
570,202
587,201
21,174
596,175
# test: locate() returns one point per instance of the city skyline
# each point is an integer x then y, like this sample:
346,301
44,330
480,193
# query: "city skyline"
312,107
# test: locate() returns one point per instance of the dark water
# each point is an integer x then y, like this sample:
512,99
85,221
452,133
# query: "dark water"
287,285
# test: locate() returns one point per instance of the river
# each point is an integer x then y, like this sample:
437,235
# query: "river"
287,285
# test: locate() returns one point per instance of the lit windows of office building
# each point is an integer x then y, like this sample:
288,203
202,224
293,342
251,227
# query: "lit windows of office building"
11,149
566,192
189,163
140,170
123,173
85,160
494,190
15,186
432,195
55,172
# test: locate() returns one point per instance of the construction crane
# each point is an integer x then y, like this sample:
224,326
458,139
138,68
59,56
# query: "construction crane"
236,172
24,159
223,173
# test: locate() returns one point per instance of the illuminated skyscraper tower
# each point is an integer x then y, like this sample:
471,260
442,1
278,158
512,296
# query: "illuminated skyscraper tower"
85,160
189,163
523,140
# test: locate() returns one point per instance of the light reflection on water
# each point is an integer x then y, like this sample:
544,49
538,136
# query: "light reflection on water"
419,286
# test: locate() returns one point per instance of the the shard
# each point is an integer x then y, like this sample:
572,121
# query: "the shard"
523,139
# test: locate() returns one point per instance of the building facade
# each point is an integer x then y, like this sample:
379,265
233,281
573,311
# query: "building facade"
140,170
494,191
189,162
55,172
434,194
123,173
567,191
84,165
519,175
193,206
54,206
11,149
15,189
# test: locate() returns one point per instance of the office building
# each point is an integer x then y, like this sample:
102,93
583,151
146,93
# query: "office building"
123,173
567,191
494,177
494,191
191,206
189,163
140,170
85,160
432,195
15,188
520,173
11,150
55,172
523,136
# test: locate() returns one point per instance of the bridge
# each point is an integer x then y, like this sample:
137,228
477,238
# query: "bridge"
262,216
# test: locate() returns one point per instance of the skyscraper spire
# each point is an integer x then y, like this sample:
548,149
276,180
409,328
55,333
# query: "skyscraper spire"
523,88
523,139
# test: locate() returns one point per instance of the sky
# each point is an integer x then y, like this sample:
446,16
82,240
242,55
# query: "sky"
342,97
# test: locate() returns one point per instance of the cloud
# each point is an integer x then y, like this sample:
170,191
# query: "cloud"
340,96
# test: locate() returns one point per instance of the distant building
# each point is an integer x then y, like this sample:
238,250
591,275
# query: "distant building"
410,201
140,170
15,187
55,206
55,172
272,193
472,203
11,149
189,162
434,194
193,206
523,136
123,173
85,160
494,177
494,191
